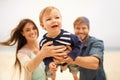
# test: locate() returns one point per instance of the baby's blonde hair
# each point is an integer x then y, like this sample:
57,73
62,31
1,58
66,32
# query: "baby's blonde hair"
46,11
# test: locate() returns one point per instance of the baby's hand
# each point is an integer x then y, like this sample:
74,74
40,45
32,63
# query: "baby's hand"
52,67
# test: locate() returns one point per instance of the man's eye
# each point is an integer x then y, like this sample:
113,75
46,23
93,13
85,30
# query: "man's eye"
34,28
57,17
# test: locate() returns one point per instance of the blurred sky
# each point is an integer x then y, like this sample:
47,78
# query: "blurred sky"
104,16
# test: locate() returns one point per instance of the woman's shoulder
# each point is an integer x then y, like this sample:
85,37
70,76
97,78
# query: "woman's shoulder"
24,50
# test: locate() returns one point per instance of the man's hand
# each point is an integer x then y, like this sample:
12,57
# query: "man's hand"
69,49
69,60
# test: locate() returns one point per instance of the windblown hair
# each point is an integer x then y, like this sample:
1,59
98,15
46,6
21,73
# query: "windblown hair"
17,38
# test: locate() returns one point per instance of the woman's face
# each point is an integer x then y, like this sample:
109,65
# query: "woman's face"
30,32
81,31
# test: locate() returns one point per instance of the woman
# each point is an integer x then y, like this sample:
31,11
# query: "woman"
28,54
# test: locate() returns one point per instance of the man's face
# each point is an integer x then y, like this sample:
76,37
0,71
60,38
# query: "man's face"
81,31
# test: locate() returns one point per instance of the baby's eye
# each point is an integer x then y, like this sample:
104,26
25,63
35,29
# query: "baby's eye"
48,19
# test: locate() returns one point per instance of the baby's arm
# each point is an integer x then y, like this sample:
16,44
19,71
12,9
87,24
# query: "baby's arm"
76,47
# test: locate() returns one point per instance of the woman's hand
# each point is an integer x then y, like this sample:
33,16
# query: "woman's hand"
51,51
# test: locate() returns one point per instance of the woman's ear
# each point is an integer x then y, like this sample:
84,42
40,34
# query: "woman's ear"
22,33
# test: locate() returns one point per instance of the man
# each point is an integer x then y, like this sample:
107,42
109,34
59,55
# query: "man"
91,57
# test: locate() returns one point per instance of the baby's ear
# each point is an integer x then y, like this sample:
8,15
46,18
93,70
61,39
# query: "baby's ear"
42,26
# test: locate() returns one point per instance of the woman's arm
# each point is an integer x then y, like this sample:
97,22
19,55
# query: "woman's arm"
46,51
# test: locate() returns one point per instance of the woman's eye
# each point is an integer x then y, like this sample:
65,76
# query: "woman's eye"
27,30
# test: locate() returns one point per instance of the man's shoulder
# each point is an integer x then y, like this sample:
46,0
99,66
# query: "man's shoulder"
93,39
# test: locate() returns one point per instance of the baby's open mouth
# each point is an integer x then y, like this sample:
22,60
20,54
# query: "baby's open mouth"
54,26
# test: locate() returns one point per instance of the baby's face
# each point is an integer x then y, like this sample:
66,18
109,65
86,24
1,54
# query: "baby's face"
52,21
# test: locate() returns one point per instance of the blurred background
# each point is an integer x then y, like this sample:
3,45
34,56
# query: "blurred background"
104,18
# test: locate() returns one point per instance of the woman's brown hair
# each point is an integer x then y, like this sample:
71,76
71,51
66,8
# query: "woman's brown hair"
17,37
